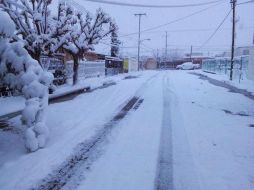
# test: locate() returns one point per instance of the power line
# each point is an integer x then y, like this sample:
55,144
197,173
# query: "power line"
158,26
147,47
112,44
197,29
251,1
216,30
154,6
171,22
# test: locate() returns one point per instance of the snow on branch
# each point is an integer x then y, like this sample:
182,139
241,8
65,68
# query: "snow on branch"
19,71
42,34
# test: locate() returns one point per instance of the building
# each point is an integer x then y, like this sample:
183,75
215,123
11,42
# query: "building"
250,73
114,65
150,64
172,63
195,58
130,64
245,50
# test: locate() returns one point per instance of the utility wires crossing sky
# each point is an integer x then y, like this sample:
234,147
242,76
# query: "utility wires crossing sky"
154,6
216,30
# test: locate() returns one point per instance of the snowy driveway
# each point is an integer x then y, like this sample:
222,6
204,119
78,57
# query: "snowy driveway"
176,135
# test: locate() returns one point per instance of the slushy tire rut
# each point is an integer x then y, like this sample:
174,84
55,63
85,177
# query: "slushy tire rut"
68,174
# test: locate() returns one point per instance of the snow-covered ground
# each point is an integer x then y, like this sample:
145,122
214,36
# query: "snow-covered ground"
17,103
220,144
70,123
211,145
131,158
11,104
242,84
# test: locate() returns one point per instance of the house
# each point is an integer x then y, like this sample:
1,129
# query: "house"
224,54
195,58
250,73
89,56
114,65
172,63
244,50
130,64
150,64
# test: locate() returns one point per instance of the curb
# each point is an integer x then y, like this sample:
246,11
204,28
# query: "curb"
52,99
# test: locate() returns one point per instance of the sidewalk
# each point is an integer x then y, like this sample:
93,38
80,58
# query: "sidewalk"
13,106
224,84
245,84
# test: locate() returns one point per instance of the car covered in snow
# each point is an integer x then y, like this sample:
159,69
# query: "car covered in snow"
188,66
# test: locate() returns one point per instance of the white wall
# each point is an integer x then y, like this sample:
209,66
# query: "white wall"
251,65
133,65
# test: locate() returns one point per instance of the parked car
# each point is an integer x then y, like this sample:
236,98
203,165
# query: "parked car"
188,66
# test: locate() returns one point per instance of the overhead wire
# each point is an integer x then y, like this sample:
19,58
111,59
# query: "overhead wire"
154,6
245,2
195,30
173,21
77,5
116,45
216,30
215,3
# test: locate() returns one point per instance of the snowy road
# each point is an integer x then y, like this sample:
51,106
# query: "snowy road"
162,130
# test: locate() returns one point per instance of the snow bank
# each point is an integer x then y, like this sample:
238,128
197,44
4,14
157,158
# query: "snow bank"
243,84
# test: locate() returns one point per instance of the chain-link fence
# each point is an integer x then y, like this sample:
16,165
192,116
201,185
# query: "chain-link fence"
86,69
223,65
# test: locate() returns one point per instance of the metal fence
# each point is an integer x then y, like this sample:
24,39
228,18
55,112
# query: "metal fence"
86,69
56,66
222,66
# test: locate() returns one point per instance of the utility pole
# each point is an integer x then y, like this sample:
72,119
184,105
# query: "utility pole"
233,3
157,58
191,53
253,39
166,50
139,25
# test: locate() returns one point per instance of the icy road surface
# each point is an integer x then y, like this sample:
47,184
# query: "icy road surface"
165,130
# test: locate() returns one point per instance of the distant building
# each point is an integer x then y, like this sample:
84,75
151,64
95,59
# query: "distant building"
224,54
114,65
195,57
250,73
172,63
245,50
150,64
130,64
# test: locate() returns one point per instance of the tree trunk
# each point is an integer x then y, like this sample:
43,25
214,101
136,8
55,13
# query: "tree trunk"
36,56
75,70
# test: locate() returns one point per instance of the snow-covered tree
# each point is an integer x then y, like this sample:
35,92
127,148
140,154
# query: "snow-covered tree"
40,32
18,70
115,42
87,31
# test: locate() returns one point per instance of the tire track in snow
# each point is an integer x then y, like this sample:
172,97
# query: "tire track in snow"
164,178
68,175
85,154
184,170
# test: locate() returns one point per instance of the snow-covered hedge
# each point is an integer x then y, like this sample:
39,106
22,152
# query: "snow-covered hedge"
18,70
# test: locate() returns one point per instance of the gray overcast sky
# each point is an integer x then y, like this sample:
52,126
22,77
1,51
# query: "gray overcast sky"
177,38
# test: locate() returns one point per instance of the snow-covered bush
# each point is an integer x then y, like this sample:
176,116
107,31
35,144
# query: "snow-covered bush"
18,70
